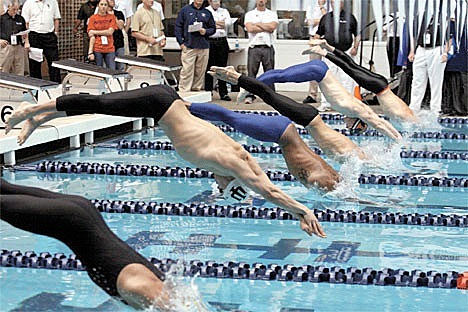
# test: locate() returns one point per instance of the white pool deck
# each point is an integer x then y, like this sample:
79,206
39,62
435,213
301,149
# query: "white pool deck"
74,127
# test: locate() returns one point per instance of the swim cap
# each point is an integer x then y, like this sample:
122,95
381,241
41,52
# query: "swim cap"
235,191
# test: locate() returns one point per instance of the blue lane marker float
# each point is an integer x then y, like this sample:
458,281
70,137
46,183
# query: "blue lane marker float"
236,211
187,172
375,133
274,149
338,116
255,271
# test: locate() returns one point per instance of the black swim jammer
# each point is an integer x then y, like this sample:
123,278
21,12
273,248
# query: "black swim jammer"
76,222
297,112
152,102
365,78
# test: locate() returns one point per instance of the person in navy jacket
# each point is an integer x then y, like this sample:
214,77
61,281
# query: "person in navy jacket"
194,25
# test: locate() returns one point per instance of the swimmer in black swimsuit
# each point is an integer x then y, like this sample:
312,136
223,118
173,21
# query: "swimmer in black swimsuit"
309,168
339,98
110,262
392,105
195,140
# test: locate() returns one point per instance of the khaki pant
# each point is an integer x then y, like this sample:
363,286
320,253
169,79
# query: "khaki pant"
192,75
12,59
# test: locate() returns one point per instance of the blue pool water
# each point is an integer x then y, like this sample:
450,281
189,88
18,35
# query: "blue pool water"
378,246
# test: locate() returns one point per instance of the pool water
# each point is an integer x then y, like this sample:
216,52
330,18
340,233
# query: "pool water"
281,242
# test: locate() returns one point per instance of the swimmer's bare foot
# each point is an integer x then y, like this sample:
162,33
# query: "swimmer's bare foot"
315,50
28,127
322,43
20,114
241,96
228,74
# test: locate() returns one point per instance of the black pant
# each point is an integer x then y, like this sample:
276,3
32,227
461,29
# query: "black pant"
257,55
392,52
47,42
219,53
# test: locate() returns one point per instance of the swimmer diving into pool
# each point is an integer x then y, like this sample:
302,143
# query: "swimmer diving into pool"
392,106
309,168
195,140
110,262
316,70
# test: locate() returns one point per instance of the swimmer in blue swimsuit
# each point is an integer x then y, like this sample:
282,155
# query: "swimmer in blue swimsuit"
195,140
340,99
309,168
112,264
392,105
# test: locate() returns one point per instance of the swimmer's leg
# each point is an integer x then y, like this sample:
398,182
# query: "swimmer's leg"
365,78
259,127
77,223
311,71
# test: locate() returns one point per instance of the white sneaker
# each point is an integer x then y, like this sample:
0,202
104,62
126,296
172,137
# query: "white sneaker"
248,100
324,108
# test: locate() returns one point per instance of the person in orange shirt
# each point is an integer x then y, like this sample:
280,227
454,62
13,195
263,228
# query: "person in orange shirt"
101,26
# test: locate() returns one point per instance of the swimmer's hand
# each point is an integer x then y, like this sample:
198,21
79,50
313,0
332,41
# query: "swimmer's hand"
228,74
310,224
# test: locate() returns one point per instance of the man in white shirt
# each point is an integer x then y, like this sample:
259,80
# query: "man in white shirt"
156,6
260,24
219,47
314,13
43,19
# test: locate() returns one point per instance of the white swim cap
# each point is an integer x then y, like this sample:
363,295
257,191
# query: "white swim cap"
235,191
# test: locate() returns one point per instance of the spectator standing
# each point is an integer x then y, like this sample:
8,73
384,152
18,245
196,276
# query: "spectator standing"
393,42
85,12
194,25
260,24
455,88
101,27
118,34
314,13
148,30
219,47
12,48
124,6
43,20
347,41
429,63
156,6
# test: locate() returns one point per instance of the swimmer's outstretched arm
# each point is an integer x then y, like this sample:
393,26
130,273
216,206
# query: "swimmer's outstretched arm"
115,266
249,172
352,107
392,105
339,98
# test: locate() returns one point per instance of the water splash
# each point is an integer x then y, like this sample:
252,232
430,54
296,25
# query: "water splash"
184,296
381,160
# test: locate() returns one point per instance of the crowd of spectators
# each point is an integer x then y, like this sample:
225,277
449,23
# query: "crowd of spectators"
201,29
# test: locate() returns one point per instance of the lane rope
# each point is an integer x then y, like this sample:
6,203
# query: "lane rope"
187,172
255,271
242,212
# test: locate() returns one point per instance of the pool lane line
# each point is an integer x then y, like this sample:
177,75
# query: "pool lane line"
196,173
374,133
274,149
255,271
340,117
242,212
